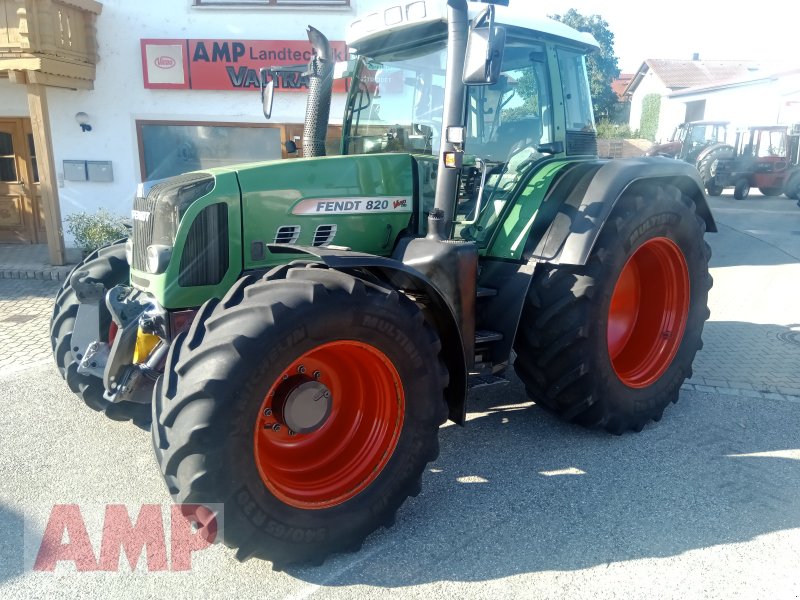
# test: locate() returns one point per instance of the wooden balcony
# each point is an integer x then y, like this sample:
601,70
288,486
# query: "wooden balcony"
49,42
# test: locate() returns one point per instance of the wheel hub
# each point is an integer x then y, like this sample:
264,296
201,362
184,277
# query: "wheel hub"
306,406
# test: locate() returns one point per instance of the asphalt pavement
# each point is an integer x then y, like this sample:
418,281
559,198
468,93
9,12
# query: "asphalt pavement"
703,504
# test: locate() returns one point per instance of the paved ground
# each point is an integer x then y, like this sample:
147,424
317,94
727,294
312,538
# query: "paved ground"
752,340
25,308
704,504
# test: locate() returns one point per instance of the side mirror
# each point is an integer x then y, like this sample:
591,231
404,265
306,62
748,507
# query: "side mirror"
485,47
290,146
267,92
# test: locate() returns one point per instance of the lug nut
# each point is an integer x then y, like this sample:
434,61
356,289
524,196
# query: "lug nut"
292,432
276,427
326,393
285,377
267,412
317,374
301,369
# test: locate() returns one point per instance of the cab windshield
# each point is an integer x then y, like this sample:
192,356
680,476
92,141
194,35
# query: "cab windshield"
396,103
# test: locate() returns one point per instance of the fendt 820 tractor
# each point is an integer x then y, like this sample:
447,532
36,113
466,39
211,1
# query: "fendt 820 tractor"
304,326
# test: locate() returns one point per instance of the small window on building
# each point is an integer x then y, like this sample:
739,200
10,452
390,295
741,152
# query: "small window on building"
169,149
275,3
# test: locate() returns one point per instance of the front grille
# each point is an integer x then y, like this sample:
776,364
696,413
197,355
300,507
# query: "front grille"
155,216
205,255
142,235
581,143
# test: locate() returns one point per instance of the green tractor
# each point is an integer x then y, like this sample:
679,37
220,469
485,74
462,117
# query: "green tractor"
304,327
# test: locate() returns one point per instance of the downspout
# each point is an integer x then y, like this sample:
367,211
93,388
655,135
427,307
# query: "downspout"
320,91
453,116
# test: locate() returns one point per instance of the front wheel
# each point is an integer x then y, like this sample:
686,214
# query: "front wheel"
742,189
609,344
770,191
713,189
307,407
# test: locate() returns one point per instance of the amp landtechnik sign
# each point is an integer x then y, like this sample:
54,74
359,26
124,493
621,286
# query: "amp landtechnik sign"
225,64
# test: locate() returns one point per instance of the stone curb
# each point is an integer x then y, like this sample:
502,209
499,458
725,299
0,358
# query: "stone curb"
53,273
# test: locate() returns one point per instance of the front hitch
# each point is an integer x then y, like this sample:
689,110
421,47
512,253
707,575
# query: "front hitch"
133,312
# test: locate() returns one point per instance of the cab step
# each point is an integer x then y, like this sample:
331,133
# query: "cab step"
480,381
483,336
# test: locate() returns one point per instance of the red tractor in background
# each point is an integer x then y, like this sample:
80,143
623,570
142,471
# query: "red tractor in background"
700,143
766,157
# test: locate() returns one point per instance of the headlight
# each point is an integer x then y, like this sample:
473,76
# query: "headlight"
158,258
129,251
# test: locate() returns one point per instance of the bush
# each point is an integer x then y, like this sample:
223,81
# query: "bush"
651,107
606,130
94,230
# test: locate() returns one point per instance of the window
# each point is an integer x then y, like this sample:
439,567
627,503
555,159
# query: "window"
276,3
169,149
575,88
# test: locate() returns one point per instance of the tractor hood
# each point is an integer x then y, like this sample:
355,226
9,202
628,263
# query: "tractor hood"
228,217
669,149
360,202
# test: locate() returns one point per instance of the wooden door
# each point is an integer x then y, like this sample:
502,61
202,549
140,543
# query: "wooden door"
18,218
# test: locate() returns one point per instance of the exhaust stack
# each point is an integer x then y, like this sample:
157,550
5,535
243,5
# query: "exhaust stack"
320,91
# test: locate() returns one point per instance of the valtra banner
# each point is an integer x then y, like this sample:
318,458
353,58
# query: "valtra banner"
226,64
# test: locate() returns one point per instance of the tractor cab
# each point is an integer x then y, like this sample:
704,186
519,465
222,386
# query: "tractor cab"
538,107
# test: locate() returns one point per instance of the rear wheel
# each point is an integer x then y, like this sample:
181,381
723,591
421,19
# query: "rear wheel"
707,163
609,343
307,407
792,187
109,267
770,191
742,189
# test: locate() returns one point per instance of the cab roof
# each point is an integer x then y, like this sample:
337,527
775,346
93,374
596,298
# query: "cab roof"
426,20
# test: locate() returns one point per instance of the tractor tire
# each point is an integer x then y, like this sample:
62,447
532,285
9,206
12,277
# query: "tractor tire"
792,187
707,162
742,189
608,344
239,420
770,191
109,267
713,189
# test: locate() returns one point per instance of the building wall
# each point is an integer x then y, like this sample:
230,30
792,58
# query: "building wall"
650,84
13,99
119,97
760,103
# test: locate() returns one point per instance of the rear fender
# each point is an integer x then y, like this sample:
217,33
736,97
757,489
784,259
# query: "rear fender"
574,222
402,277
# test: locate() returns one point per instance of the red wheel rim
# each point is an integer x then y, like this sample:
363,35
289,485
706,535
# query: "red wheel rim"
344,450
648,312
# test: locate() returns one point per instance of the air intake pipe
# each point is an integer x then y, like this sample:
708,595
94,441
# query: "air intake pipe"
320,91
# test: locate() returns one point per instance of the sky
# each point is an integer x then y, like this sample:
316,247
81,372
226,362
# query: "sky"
758,31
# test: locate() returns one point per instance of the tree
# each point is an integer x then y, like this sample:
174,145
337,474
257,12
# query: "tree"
601,65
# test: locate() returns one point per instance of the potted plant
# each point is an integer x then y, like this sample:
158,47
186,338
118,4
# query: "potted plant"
94,230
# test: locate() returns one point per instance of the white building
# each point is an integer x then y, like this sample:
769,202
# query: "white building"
663,77
169,86
759,99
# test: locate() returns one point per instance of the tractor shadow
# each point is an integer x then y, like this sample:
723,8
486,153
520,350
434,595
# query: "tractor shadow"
518,491
12,529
